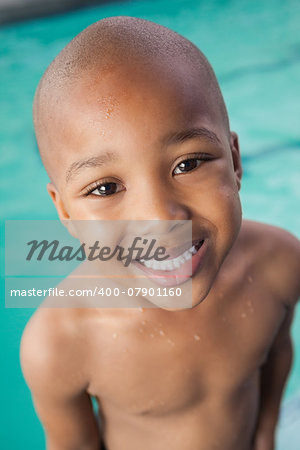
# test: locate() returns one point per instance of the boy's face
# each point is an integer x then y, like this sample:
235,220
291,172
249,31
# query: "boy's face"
134,144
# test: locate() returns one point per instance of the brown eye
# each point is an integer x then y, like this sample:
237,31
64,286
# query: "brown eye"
106,189
187,165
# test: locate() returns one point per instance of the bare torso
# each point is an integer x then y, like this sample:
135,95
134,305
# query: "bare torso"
177,380
187,379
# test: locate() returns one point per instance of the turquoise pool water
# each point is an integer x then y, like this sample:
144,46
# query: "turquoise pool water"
255,50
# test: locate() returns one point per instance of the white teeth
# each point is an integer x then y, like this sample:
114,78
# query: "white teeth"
176,263
182,259
155,265
187,255
192,250
170,264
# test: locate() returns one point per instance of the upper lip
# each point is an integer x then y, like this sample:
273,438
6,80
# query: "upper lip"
175,251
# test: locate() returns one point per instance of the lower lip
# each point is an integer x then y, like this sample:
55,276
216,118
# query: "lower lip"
179,275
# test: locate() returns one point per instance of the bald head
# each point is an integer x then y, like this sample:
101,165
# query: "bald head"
119,42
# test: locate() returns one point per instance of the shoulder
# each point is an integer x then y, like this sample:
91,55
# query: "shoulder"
51,351
276,254
273,241
269,234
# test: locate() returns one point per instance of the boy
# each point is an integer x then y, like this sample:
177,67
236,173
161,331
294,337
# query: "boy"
131,125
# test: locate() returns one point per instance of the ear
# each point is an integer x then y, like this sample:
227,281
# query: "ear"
236,158
61,210
57,200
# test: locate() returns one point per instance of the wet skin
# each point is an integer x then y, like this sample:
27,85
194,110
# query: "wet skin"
186,379
121,121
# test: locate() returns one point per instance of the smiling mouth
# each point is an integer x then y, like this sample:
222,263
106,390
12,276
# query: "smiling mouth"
172,264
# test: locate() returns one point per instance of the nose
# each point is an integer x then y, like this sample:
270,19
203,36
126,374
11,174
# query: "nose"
159,209
159,201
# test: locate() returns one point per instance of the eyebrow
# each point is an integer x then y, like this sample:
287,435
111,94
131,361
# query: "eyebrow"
94,161
191,133
179,137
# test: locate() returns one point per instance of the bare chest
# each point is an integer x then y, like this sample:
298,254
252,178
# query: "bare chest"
158,365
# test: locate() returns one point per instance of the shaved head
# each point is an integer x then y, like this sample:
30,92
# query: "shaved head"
131,125
107,46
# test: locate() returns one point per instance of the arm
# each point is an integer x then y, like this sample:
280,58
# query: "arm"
274,374
50,368
281,267
68,421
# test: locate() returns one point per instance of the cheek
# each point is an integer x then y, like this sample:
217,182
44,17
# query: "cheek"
90,209
228,211
228,221
216,189
223,210
229,196
218,203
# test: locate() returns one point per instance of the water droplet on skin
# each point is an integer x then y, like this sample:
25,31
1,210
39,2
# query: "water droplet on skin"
250,306
152,335
108,105
243,315
196,337
171,342
161,332
250,279
115,335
